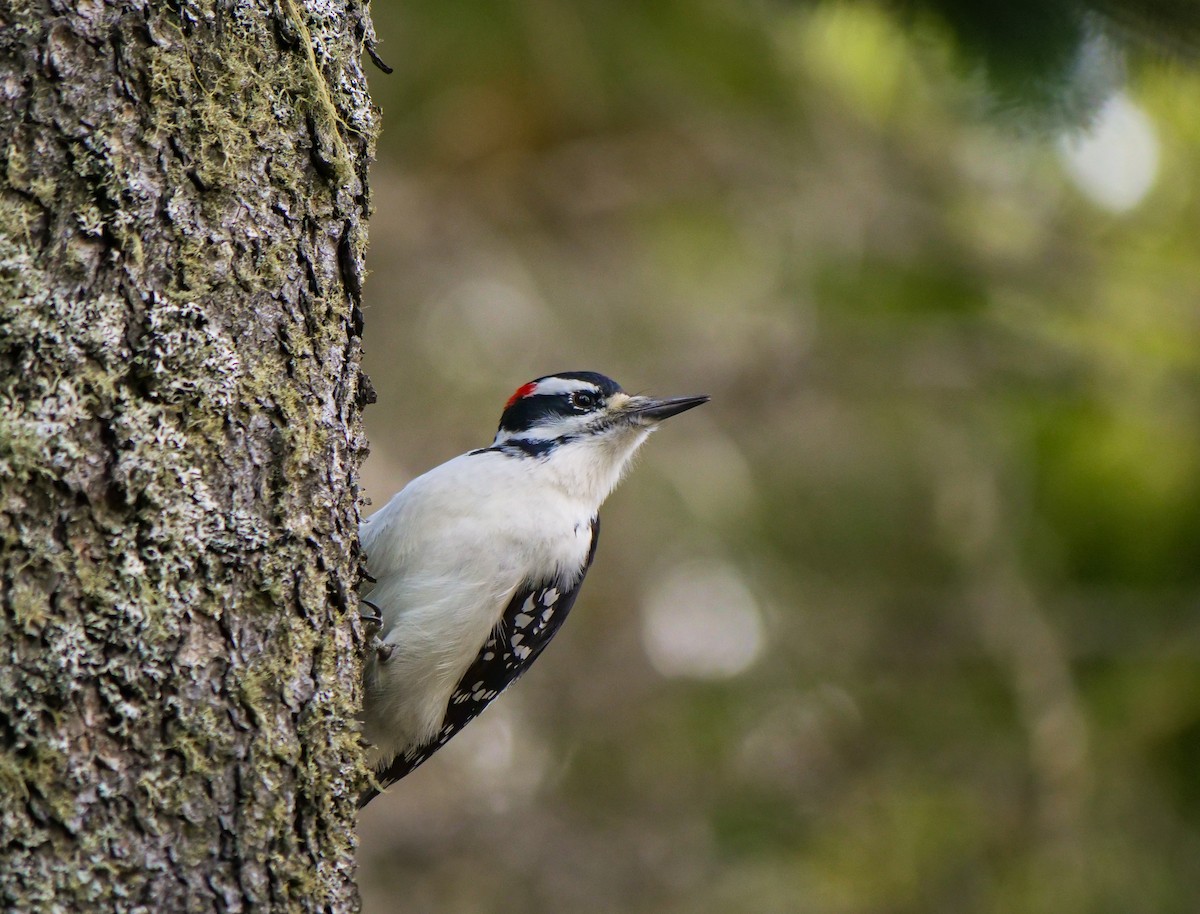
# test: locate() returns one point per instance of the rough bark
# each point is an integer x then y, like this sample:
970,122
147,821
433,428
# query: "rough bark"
182,222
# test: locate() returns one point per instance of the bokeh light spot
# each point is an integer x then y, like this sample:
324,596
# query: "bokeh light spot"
703,623
1115,162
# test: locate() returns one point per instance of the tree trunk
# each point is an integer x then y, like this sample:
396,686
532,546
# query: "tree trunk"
182,221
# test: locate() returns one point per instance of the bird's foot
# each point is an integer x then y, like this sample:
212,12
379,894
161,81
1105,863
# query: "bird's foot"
372,615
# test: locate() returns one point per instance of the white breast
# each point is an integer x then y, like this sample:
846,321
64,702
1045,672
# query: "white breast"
447,552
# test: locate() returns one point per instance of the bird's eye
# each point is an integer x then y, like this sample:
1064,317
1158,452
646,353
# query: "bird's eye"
583,400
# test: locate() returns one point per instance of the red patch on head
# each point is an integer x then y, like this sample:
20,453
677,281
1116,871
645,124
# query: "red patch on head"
523,391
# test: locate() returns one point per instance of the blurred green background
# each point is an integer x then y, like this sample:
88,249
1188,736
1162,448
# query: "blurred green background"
908,618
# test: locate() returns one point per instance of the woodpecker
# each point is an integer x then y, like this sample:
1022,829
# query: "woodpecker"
475,564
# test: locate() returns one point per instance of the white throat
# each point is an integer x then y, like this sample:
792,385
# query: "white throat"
588,469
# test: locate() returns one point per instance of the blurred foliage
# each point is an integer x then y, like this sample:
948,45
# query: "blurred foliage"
947,494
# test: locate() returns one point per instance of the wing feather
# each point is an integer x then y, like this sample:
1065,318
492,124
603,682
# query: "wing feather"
532,618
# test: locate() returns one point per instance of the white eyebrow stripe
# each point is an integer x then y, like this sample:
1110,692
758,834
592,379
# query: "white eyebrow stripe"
552,386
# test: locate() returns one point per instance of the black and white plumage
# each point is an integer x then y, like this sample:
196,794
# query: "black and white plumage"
477,563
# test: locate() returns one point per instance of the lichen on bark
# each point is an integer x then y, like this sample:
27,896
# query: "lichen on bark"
182,222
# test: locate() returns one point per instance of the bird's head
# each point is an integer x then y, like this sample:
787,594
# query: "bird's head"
583,422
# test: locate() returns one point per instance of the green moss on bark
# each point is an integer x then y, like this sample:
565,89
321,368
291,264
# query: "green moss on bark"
179,444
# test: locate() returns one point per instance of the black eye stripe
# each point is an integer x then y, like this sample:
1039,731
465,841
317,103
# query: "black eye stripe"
525,412
530,411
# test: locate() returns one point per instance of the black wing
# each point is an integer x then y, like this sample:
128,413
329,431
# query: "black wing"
532,617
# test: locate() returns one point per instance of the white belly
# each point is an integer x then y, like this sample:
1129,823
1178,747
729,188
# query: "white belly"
447,553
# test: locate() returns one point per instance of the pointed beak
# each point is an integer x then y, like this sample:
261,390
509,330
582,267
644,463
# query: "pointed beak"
654,409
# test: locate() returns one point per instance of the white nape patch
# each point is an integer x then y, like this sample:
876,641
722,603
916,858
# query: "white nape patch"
552,386
702,622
